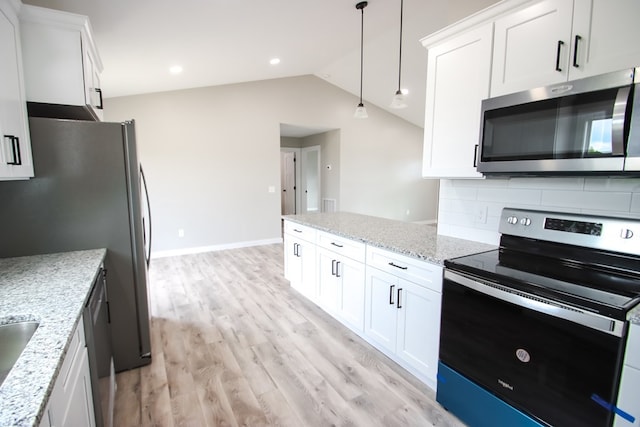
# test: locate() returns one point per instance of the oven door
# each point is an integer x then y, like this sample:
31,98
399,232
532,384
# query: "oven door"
513,344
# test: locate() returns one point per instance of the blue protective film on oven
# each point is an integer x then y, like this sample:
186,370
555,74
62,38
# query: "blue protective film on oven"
612,408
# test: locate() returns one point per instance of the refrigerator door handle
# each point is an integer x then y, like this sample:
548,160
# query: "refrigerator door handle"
146,193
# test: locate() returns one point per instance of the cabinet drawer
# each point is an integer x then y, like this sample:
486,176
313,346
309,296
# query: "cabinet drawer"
341,245
300,231
421,272
632,356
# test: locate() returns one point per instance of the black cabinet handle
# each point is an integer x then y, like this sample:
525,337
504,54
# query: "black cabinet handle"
333,267
575,50
338,269
397,266
475,155
15,150
391,301
101,106
295,229
337,245
560,44
399,293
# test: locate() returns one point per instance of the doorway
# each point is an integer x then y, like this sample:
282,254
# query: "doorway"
300,180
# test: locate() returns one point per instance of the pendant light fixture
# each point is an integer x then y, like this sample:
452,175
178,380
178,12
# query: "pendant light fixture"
361,112
398,99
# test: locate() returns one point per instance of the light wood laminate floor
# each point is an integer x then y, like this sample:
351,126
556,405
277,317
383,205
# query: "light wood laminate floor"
234,345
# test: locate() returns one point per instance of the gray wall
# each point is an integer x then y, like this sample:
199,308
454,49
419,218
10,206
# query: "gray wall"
212,153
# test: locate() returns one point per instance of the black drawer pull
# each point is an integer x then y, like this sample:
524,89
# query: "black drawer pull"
560,44
399,293
337,245
338,269
333,267
101,105
398,266
297,231
391,301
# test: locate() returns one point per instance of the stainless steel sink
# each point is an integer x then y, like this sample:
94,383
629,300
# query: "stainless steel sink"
13,339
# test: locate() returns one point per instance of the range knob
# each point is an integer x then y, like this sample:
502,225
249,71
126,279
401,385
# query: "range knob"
512,220
525,221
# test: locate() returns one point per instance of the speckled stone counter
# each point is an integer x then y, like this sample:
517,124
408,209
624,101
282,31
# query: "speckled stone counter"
416,240
52,290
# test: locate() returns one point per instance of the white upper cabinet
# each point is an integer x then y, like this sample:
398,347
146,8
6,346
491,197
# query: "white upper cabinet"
558,40
609,35
458,77
15,145
61,63
532,47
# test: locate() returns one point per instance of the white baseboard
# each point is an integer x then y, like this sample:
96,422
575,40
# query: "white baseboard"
201,249
426,221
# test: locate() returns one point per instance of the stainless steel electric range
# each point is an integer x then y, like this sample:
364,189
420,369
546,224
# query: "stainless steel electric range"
534,333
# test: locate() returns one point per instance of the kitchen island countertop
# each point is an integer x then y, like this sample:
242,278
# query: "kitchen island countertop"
51,289
415,240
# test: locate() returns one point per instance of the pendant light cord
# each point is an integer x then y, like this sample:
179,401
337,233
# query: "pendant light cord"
400,56
361,48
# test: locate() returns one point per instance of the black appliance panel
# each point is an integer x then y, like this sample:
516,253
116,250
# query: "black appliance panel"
531,360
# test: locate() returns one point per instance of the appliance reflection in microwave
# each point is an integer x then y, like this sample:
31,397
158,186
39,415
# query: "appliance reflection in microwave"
600,140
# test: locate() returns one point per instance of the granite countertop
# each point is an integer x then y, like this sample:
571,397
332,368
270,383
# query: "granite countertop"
416,240
52,290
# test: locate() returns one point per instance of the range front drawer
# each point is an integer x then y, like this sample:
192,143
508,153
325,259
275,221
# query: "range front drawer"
414,270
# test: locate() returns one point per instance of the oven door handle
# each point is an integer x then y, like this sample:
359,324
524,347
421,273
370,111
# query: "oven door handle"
540,304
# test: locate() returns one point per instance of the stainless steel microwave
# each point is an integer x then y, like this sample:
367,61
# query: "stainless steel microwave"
583,127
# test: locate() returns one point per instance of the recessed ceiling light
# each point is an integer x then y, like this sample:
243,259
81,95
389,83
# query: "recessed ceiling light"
176,69
274,61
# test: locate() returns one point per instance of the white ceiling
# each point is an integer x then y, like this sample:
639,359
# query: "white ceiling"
221,42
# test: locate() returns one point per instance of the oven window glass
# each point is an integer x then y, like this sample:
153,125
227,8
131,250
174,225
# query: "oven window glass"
542,365
572,127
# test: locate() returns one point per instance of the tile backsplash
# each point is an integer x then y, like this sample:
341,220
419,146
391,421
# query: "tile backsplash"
470,209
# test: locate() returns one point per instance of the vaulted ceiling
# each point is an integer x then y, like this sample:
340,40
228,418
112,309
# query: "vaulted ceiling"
219,42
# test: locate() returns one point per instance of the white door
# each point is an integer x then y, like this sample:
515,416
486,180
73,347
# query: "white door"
310,178
351,293
327,280
288,182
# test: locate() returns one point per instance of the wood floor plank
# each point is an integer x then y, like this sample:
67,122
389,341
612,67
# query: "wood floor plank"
233,344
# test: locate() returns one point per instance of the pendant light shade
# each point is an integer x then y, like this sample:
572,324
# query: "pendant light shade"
361,112
398,99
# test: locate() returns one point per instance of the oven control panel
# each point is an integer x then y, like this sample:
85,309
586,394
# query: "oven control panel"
607,233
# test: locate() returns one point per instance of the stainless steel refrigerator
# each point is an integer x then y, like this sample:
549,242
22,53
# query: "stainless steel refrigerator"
88,192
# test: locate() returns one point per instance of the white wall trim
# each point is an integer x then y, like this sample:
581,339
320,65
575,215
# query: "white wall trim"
213,248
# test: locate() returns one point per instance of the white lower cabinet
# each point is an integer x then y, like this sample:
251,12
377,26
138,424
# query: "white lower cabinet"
391,300
629,393
341,279
71,400
402,319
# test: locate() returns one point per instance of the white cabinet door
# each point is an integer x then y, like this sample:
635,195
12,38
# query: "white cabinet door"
61,63
292,261
532,47
419,328
327,281
351,293
71,401
15,145
300,265
608,37
381,317
458,77
629,397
